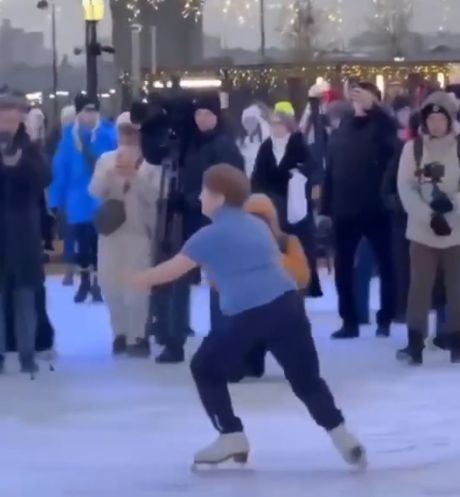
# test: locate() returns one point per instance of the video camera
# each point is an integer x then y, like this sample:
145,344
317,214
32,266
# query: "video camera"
166,120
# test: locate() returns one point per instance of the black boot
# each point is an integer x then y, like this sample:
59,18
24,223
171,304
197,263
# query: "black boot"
413,353
347,331
383,331
140,350
84,289
28,366
96,293
442,341
68,277
119,345
171,355
455,348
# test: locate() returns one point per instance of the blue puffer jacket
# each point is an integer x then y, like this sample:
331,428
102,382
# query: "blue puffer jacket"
72,174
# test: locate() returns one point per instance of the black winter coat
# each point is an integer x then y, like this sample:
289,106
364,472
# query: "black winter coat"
21,187
208,149
272,179
359,153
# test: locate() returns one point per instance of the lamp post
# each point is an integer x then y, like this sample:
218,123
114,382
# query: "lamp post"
45,5
263,43
93,12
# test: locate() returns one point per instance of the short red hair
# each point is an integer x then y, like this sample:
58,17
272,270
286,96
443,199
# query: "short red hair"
228,181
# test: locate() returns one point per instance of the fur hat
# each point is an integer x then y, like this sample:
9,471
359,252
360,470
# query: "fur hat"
438,102
256,113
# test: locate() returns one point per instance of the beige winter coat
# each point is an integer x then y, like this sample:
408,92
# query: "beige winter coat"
416,191
129,249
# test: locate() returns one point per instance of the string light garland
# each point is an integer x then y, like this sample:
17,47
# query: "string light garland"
273,77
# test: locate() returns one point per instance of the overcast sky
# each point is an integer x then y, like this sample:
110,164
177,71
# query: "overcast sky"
430,14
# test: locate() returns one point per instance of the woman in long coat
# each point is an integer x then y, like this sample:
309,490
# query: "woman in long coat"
284,153
123,175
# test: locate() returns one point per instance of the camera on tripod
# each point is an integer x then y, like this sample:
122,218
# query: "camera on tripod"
165,122
434,171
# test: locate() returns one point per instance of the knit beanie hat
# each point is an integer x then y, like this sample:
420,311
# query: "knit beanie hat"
371,88
208,101
85,102
434,108
284,107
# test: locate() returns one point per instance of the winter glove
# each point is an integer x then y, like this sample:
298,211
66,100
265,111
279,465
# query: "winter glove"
441,204
440,226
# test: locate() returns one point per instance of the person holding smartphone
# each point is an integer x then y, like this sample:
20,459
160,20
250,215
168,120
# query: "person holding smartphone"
124,182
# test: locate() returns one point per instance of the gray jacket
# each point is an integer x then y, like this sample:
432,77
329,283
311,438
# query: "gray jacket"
416,191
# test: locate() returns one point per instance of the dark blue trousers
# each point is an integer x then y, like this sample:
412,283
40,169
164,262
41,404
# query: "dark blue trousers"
281,327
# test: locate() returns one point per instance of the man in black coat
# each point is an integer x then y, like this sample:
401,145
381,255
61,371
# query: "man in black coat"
24,174
359,155
209,145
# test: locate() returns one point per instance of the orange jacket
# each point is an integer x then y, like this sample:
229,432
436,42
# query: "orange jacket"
294,260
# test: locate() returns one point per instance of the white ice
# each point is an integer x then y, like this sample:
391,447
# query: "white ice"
99,427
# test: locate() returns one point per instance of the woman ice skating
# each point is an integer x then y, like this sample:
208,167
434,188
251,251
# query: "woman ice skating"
240,254
293,260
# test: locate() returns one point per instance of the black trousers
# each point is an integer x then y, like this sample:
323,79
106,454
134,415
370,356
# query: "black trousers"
282,327
86,237
348,234
171,311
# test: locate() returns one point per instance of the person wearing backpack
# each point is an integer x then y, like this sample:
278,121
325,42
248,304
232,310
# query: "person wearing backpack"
429,189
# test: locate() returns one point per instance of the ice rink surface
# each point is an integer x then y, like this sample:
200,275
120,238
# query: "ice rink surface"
99,427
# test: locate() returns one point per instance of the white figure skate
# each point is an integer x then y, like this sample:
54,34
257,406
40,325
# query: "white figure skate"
352,451
232,446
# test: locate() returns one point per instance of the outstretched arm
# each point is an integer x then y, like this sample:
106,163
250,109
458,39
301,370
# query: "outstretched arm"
166,272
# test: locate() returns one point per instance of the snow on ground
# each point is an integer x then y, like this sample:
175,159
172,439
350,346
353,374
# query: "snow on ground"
99,427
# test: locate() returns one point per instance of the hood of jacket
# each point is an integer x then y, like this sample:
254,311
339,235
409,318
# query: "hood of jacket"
443,100
255,112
